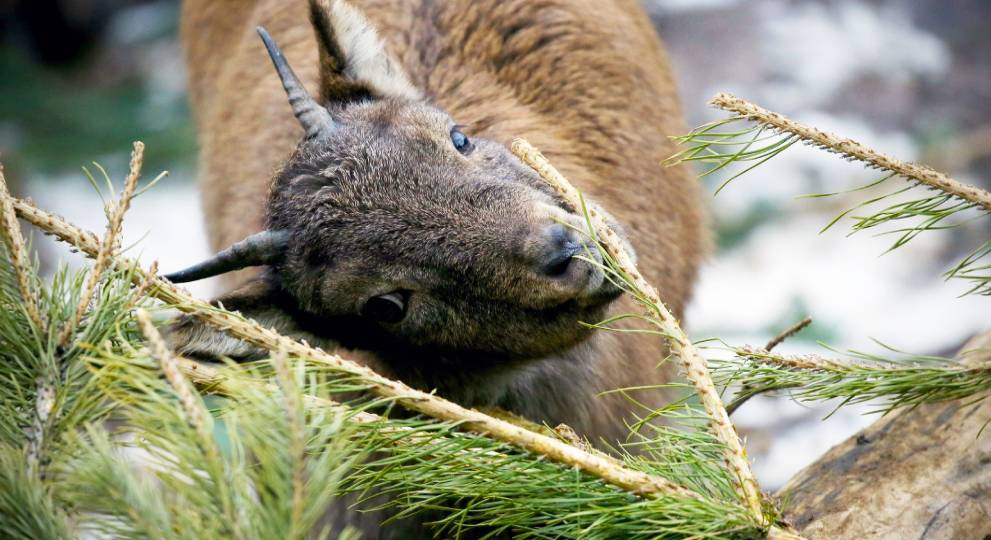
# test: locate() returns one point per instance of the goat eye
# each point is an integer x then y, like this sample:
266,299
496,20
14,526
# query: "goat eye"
386,308
461,142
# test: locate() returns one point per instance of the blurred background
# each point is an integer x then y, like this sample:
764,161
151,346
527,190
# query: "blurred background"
80,80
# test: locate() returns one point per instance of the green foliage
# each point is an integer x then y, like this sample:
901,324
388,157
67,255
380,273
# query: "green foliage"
188,487
921,204
48,393
26,507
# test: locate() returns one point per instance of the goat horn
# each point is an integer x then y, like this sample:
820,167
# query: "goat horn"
315,119
258,249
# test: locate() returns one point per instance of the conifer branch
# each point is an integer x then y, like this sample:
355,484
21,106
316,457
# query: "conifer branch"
194,411
693,363
908,381
477,481
608,470
14,240
746,392
772,134
791,331
854,150
44,394
110,241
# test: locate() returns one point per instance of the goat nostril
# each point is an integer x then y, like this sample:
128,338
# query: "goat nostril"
562,245
558,267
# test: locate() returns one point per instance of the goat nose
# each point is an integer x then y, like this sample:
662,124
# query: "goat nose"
560,244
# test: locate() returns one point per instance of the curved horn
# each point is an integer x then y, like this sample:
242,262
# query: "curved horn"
258,249
314,118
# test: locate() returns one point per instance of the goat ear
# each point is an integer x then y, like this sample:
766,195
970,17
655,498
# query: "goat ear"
259,300
354,62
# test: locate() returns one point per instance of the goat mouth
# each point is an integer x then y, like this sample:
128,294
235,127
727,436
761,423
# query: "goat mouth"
596,288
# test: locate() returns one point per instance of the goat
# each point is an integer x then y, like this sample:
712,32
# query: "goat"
420,245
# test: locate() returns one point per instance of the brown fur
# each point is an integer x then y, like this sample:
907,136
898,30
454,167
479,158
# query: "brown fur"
586,81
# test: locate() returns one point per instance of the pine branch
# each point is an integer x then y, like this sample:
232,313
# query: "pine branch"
901,382
746,392
297,446
431,405
110,241
232,480
854,150
773,133
17,252
26,509
194,410
693,363
478,482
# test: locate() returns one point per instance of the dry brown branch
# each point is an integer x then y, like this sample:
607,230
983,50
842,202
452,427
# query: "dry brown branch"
636,482
852,149
14,241
791,331
693,363
747,392
109,244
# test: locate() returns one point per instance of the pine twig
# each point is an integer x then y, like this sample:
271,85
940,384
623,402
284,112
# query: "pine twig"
193,409
864,377
791,331
110,242
14,241
201,421
142,289
44,399
694,365
803,361
854,150
773,133
634,481
747,391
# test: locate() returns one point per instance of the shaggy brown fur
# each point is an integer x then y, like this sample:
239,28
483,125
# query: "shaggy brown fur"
388,204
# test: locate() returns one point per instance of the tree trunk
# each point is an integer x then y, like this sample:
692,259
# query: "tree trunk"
916,473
